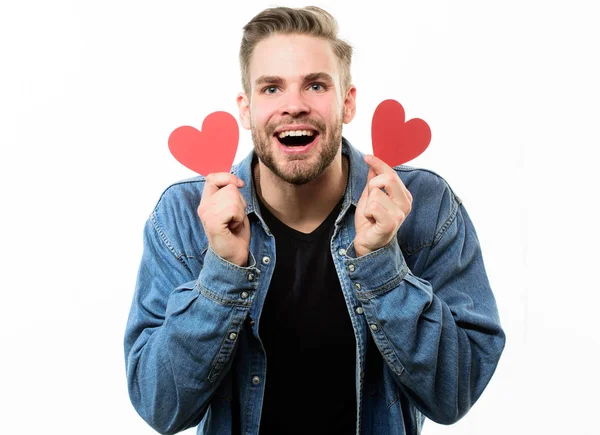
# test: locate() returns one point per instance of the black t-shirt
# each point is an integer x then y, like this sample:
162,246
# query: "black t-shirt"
307,334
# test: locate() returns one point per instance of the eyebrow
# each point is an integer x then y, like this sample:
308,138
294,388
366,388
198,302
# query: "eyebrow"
276,80
318,76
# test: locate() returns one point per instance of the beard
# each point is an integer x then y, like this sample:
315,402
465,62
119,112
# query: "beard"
298,171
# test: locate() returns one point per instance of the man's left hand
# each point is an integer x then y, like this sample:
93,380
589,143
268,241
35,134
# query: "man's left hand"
380,212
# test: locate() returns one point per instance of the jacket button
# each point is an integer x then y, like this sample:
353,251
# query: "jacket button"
360,310
351,268
255,380
357,285
250,277
266,260
244,295
374,327
342,252
232,336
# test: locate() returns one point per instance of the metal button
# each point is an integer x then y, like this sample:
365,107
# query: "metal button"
255,380
266,260
244,295
360,310
374,327
357,285
232,336
342,252
250,277
351,268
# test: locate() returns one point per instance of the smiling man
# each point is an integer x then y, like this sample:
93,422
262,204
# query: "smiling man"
312,290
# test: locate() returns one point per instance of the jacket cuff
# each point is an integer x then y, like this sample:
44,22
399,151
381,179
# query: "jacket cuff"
376,272
228,283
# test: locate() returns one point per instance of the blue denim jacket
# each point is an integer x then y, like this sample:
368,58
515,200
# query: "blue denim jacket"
192,348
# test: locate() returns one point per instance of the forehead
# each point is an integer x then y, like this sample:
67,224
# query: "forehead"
292,56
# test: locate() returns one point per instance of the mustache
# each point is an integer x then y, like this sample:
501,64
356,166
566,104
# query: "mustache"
316,124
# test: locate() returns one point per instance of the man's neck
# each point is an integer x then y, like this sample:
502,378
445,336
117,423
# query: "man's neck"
302,207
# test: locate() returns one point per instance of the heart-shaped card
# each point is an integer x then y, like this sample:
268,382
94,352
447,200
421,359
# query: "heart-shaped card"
213,149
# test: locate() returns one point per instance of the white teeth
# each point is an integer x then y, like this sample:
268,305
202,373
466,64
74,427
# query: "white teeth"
296,133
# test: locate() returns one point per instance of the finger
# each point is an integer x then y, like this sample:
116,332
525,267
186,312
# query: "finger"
378,165
393,186
221,199
385,211
378,213
237,221
378,197
230,193
218,180
226,196
222,215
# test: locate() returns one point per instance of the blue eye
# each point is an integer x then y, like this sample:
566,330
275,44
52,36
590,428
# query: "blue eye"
270,90
317,87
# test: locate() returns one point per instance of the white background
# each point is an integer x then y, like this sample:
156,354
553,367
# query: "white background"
90,91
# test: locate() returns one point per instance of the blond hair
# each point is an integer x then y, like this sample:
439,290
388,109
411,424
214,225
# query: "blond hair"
310,20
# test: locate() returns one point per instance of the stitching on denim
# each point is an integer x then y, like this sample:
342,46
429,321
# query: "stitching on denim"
371,294
196,179
389,354
442,231
393,352
218,299
391,284
409,252
165,240
456,202
392,404
230,265
225,351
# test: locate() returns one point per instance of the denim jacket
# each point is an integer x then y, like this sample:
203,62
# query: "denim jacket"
422,302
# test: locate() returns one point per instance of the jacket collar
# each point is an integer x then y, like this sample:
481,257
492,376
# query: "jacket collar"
356,183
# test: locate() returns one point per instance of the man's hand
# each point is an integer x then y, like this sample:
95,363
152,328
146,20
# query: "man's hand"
222,211
379,213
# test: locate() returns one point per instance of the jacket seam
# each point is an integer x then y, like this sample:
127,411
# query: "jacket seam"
166,240
221,301
193,180
442,231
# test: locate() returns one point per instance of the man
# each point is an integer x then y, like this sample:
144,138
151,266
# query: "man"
311,290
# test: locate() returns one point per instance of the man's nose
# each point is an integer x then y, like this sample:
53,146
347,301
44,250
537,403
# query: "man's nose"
295,104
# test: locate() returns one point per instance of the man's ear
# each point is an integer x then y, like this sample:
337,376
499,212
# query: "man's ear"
350,104
243,103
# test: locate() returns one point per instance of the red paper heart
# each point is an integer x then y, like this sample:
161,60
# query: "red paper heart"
395,141
210,150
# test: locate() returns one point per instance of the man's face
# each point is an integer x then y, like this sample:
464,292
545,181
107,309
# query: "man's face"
295,109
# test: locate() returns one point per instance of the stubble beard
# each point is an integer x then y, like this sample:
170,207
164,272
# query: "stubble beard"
298,172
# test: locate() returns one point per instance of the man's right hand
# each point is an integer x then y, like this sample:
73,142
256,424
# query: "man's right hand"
222,211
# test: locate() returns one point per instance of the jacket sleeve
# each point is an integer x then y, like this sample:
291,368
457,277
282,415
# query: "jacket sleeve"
182,331
439,332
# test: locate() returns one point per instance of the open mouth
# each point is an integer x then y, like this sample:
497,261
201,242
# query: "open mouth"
296,138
